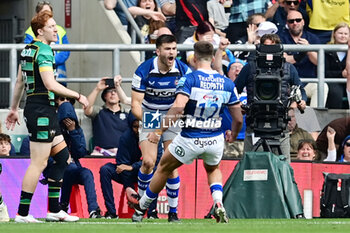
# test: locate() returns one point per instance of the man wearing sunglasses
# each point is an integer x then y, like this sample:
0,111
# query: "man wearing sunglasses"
304,62
278,12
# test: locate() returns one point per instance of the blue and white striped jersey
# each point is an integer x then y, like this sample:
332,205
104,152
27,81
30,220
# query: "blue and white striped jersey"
208,93
159,88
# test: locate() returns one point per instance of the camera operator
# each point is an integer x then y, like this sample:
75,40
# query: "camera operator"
246,79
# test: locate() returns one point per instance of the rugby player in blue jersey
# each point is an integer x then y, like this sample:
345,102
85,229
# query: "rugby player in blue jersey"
153,89
200,96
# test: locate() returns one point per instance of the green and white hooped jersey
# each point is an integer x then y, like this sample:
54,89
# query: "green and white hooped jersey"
35,58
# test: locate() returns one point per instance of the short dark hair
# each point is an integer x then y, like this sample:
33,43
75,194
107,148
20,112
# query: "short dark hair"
5,137
203,50
39,21
41,4
163,39
204,27
273,37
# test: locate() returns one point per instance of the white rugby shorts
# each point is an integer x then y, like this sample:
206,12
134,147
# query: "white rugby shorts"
188,149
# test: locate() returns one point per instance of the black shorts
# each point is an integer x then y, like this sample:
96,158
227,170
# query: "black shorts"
41,121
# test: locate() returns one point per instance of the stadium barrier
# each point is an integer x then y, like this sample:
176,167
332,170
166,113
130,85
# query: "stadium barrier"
116,49
195,199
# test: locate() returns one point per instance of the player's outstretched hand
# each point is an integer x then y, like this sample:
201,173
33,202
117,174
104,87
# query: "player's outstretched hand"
11,119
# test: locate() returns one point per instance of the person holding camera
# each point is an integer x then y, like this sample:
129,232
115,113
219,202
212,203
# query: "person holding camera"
109,121
246,78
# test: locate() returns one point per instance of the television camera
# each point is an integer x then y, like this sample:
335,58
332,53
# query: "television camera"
272,97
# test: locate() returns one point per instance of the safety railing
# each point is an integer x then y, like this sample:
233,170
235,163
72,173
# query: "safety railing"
115,50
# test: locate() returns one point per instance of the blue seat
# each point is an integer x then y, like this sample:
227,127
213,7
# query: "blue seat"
16,140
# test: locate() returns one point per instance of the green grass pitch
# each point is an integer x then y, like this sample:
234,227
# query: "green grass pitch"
186,225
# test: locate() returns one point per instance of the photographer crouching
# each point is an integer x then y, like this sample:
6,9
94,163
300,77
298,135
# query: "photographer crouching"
268,80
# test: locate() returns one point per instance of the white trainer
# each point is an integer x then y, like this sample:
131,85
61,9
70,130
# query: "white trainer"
4,214
61,217
26,219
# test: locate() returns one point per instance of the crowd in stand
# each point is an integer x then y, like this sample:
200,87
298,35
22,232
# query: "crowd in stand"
220,22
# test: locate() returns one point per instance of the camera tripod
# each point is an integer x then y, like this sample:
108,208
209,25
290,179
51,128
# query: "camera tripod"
272,145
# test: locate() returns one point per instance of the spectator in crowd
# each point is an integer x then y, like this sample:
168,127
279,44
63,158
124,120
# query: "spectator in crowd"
246,79
304,62
335,63
342,127
307,150
345,157
125,170
4,214
75,173
251,37
142,14
234,68
134,9
217,16
60,56
240,11
5,144
153,92
253,23
332,150
154,26
296,134
263,28
157,28
186,23
168,8
279,10
108,121
13,149
45,135
232,149
204,32
324,16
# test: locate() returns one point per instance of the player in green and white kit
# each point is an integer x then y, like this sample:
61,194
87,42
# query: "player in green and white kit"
36,74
